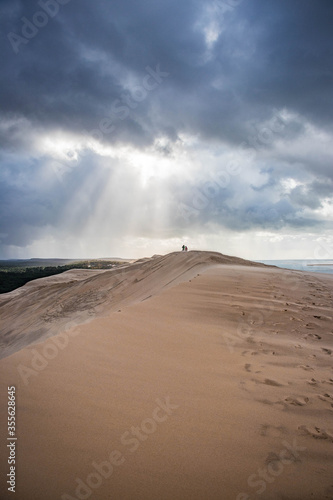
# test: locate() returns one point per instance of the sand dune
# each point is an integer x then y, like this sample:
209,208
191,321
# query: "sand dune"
198,376
46,306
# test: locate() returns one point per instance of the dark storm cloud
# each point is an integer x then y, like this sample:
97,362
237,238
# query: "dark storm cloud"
75,66
234,208
294,55
231,67
311,195
270,54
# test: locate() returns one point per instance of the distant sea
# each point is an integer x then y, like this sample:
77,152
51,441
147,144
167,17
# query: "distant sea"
311,265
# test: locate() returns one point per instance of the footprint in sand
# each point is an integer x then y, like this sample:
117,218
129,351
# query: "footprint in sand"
311,326
299,401
252,353
274,383
316,432
314,336
313,381
265,351
306,368
327,398
326,351
266,402
273,461
248,368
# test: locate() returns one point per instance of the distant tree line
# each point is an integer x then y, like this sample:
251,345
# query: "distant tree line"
14,277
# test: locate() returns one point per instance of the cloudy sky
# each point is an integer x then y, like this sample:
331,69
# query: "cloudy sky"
130,127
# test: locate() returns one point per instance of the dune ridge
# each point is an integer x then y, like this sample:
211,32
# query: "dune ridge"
44,307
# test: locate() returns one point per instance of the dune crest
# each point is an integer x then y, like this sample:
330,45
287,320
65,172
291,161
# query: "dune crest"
44,307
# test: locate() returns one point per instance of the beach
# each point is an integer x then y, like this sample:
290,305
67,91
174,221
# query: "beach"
187,376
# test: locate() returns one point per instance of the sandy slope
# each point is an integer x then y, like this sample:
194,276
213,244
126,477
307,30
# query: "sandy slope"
217,387
46,306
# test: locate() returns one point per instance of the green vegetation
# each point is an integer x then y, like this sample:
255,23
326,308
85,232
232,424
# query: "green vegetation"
14,274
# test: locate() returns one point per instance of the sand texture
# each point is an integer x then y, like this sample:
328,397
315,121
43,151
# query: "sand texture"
182,377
